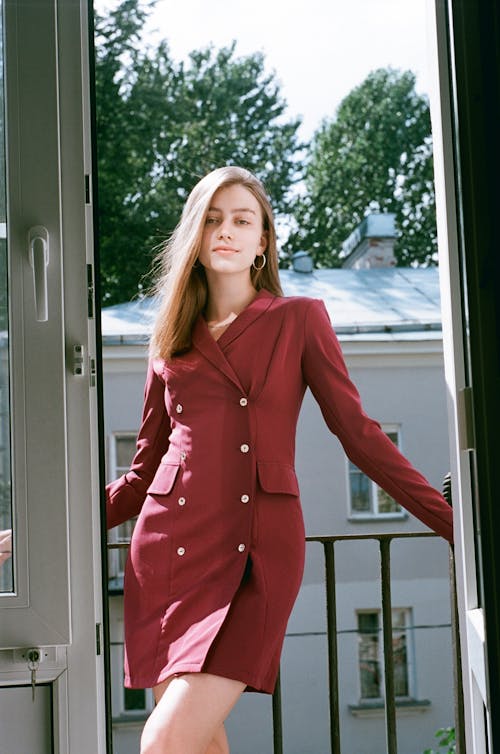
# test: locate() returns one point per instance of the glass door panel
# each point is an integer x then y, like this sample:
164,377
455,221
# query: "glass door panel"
6,574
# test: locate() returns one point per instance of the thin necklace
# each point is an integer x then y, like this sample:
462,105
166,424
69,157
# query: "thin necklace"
227,321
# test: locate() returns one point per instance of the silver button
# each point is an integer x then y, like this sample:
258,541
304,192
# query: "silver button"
243,402
178,408
181,550
241,548
244,448
183,456
182,501
244,498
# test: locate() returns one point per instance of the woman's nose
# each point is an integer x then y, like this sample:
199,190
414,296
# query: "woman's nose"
224,232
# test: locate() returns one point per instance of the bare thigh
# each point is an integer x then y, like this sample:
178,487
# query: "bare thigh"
189,715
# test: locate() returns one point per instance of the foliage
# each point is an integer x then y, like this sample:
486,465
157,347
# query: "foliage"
375,155
162,124
446,742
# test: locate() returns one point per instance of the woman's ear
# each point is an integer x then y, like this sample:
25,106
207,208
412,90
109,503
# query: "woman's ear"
264,240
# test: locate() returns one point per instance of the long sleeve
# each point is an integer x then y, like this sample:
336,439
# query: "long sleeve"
125,496
363,440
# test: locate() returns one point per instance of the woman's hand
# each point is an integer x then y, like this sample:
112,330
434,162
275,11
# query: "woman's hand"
5,545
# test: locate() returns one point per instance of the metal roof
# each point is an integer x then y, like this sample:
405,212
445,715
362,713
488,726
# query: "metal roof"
376,304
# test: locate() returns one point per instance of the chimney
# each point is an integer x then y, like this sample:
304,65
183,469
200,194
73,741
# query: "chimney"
302,262
371,244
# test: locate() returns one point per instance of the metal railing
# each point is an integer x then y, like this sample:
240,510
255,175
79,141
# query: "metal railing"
384,540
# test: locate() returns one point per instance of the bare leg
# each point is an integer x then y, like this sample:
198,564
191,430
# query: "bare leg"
219,743
189,715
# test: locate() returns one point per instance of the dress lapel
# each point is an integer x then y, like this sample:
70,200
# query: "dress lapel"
253,311
213,349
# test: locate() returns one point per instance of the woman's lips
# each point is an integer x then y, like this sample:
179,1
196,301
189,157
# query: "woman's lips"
225,250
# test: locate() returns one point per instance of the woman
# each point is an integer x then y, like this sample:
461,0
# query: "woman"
217,554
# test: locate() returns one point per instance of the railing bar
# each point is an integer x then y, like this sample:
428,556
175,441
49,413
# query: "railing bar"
390,699
331,618
277,718
331,538
374,536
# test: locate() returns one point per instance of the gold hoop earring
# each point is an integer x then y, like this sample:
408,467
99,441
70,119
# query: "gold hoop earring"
264,260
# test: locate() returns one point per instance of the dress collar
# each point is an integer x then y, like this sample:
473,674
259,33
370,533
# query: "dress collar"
213,349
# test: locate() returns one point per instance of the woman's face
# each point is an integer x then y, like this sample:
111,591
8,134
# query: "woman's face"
233,235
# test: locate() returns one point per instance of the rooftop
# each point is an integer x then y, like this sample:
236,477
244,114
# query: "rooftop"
374,304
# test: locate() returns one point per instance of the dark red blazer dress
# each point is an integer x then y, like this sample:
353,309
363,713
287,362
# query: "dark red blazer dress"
217,553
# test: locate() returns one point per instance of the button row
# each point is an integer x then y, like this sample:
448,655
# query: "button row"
243,498
244,448
182,550
180,408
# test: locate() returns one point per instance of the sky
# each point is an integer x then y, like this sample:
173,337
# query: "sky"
319,49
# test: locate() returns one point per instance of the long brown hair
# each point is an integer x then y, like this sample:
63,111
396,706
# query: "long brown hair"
181,284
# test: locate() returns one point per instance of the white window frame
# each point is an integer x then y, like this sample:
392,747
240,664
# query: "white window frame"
374,513
410,655
118,534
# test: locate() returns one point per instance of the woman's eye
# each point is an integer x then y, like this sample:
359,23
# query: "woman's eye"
242,221
211,220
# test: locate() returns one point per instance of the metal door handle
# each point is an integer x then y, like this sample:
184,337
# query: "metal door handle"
38,250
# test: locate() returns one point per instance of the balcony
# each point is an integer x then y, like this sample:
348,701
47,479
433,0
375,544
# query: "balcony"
392,699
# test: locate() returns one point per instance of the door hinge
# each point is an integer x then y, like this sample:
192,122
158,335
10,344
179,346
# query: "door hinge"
98,638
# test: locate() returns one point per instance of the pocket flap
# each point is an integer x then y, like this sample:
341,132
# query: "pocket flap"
277,477
164,479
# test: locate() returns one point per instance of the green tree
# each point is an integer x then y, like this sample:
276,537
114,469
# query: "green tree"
374,156
163,124
446,742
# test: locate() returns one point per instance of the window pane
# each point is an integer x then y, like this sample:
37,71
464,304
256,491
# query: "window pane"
400,664
124,535
134,700
399,645
368,652
125,449
6,578
385,503
360,490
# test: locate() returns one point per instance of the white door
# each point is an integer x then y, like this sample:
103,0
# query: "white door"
455,338
50,588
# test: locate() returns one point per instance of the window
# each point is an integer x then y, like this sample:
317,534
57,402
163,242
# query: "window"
371,654
134,700
127,702
367,499
121,452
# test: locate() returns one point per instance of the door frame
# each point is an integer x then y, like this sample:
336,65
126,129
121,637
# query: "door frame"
465,112
63,615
